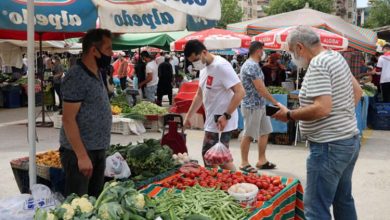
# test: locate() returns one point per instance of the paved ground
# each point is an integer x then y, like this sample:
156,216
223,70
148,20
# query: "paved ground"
371,178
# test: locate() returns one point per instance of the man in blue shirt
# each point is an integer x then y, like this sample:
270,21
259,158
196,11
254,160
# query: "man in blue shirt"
256,124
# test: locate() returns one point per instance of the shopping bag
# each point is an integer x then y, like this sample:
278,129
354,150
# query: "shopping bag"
218,154
116,167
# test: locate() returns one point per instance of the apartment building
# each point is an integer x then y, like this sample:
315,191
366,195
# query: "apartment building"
252,8
347,10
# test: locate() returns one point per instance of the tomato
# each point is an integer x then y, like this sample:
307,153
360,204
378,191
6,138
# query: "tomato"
165,185
281,187
258,184
225,171
276,182
203,183
264,185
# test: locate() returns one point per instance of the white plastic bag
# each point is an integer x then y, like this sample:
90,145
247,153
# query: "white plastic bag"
117,167
22,207
218,154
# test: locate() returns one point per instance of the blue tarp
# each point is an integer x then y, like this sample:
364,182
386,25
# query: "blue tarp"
278,126
361,113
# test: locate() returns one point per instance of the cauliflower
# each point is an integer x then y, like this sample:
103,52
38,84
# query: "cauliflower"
69,213
110,211
139,201
51,216
82,203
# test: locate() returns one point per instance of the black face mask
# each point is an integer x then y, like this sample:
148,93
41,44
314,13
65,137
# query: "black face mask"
103,61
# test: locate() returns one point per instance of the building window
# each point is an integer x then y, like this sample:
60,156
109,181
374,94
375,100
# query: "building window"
349,15
350,3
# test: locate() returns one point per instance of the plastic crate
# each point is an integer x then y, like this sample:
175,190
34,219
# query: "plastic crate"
153,122
11,97
57,120
379,116
120,128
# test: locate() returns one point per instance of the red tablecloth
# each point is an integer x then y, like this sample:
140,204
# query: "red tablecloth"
183,99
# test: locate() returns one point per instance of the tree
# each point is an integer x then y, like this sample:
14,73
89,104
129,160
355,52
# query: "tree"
281,6
231,13
379,14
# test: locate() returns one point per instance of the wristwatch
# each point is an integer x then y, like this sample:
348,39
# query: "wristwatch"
227,115
289,116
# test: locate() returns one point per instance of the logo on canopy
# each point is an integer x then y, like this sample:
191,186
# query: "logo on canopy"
47,2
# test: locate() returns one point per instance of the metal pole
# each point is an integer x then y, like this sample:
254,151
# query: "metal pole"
42,75
31,91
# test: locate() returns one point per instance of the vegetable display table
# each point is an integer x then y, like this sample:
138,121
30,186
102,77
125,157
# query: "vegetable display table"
287,204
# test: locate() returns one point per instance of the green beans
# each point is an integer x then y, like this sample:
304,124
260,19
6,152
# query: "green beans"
209,202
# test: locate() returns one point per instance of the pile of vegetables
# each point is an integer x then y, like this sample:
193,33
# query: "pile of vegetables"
118,201
148,108
146,159
181,158
277,90
369,89
192,175
50,159
199,203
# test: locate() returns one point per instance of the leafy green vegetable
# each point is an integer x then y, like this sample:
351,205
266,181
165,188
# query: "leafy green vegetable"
277,90
148,108
145,159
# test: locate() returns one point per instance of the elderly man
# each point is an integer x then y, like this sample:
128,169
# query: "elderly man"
327,120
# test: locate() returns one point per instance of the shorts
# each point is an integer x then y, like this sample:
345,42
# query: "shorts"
211,138
150,93
256,122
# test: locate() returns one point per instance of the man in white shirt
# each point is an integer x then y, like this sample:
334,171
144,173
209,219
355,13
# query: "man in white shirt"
160,59
151,80
383,68
220,91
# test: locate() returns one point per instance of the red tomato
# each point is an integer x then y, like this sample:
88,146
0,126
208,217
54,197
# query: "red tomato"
276,182
264,185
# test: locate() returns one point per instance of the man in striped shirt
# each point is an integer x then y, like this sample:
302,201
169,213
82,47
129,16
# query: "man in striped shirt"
327,120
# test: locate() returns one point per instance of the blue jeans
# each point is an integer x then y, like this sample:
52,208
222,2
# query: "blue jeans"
329,173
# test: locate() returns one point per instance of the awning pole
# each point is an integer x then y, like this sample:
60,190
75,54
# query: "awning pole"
31,91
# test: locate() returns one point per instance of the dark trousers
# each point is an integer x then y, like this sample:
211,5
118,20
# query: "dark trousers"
123,83
385,87
57,89
76,182
160,97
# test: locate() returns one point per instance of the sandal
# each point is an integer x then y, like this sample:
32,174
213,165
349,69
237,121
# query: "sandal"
248,169
267,166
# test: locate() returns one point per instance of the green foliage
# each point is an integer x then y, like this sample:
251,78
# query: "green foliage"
379,14
281,6
231,13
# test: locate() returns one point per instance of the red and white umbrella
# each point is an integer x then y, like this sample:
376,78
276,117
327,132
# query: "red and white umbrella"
215,39
277,39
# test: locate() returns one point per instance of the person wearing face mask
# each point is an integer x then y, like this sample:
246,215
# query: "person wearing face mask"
151,80
86,131
256,124
327,121
220,91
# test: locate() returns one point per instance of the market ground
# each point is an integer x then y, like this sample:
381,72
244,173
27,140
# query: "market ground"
371,180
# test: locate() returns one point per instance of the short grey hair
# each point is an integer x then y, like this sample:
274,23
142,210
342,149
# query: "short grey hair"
304,35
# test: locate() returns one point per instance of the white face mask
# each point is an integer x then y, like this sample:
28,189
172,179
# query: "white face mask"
199,65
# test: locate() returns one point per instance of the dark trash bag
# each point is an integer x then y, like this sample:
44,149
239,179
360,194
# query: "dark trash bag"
173,139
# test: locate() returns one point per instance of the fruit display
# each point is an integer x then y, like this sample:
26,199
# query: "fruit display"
50,159
192,175
116,110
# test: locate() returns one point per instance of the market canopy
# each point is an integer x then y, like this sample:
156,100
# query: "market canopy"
359,38
214,39
121,16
